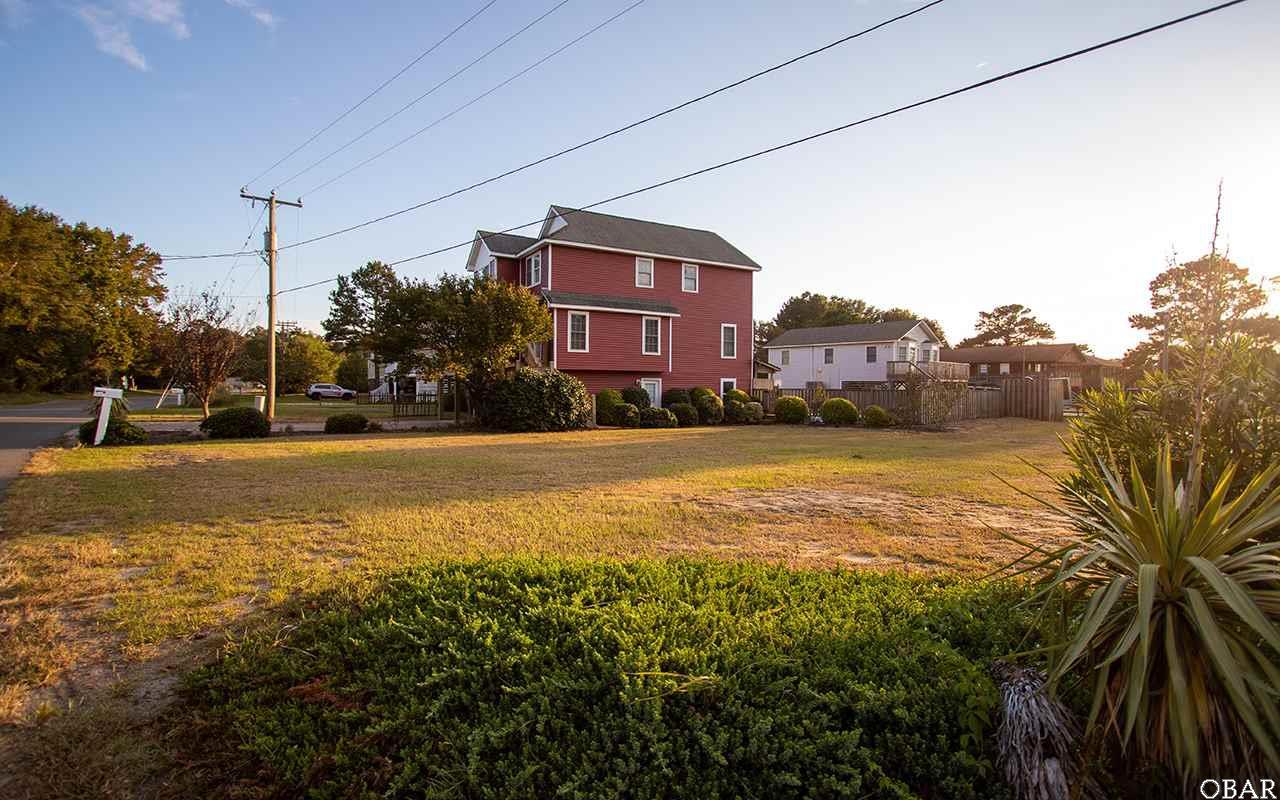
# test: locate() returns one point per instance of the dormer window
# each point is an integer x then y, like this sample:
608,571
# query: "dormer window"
644,273
533,270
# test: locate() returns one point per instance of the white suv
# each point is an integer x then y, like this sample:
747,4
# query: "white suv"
316,391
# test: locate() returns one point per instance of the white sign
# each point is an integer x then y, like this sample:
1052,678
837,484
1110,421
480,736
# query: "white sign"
103,391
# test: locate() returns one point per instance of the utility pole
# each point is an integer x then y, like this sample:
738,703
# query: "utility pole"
269,244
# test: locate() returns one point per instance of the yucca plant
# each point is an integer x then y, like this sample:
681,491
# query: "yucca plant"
1171,606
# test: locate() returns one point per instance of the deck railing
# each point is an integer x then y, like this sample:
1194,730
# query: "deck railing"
938,370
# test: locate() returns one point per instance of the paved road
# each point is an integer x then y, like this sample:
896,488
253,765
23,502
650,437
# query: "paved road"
25,428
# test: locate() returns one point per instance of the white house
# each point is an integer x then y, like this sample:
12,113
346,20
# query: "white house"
841,354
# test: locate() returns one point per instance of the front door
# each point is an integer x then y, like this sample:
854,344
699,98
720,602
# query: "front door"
654,387
726,384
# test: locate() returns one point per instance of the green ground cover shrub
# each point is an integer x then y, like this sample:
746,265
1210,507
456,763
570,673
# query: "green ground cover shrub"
838,411
626,415
538,400
238,422
791,410
636,396
650,679
606,401
876,417
685,413
346,423
710,409
657,418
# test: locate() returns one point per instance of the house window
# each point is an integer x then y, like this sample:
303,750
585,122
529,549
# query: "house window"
652,336
653,386
829,356
491,269
871,354
728,341
726,384
982,369
579,330
644,273
902,351
533,270
1004,368
1036,367
689,278
786,358
924,352
762,374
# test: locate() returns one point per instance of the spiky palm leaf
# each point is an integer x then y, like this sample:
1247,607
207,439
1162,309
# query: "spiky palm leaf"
1180,612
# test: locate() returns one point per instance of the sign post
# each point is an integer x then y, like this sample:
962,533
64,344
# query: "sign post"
104,413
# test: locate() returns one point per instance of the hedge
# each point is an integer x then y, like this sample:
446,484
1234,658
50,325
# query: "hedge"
346,423
737,394
876,417
626,415
538,400
755,413
606,401
791,410
838,411
700,391
735,411
685,414
657,418
710,409
240,422
672,396
643,679
636,396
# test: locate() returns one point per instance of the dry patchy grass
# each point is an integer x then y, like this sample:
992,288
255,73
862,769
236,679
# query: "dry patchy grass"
115,558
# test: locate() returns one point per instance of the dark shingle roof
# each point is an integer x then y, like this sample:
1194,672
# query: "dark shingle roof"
840,334
607,230
993,354
505,244
609,301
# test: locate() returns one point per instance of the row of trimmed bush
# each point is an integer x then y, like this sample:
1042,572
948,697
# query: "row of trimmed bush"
835,411
631,407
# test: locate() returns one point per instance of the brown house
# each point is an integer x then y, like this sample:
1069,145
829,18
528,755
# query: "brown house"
1035,360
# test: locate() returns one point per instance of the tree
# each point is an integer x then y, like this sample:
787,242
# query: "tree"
812,310
896,314
1011,324
353,371
200,343
77,304
358,307
469,327
301,359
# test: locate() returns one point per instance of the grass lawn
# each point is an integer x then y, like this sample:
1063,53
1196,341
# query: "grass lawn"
27,398
289,408
116,560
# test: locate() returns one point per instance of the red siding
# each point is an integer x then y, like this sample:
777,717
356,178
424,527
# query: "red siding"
690,342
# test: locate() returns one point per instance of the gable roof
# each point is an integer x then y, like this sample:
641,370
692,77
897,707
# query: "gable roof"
845,334
1066,353
505,244
642,236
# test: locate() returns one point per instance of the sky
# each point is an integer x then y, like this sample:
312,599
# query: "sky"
1065,190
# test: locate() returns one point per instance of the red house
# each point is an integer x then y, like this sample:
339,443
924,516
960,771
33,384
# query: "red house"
632,302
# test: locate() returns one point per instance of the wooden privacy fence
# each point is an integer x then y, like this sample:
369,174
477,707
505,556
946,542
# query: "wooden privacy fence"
1033,398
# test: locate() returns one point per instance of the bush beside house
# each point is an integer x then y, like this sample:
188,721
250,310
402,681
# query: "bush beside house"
626,415
657,418
710,409
791,410
671,397
685,414
636,396
838,411
876,417
538,400
607,402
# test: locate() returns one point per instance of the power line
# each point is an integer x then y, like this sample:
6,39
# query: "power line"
670,110
370,95
476,99
828,132
424,95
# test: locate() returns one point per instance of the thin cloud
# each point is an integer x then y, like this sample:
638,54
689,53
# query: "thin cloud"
111,35
262,15
161,12
15,12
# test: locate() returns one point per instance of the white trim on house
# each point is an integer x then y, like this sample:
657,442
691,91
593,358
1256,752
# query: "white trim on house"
613,310
697,278
643,253
671,346
644,335
526,277
552,223
586,332
653,273
555,335
724,325
734,381
548,268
